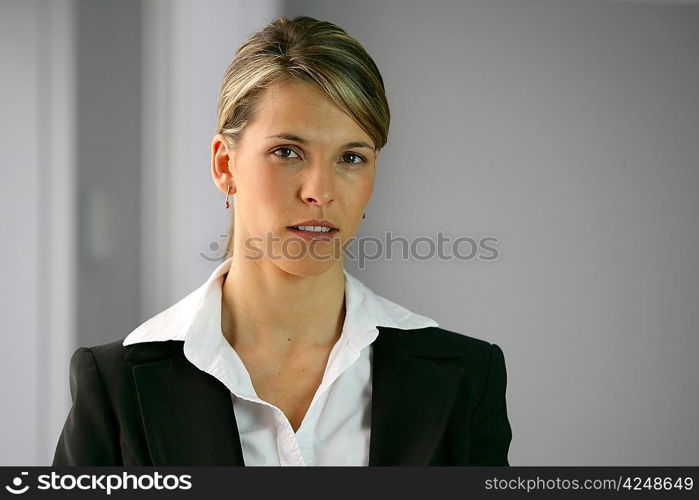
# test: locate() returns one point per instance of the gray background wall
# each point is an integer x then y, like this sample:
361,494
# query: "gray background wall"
108,123
569,130
38,293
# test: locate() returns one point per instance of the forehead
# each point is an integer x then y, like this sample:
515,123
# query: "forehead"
305,110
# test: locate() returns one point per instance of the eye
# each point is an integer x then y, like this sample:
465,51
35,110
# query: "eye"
283,156
360,157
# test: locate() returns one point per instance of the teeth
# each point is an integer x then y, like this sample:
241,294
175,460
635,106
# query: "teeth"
315,229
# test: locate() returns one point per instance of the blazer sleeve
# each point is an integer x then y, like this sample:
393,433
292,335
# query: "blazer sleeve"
491,433
90,434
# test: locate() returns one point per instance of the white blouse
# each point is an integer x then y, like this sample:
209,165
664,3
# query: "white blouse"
336,427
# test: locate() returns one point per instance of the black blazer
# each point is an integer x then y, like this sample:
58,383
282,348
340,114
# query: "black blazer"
438,398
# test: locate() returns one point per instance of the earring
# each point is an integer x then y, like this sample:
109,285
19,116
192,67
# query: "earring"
364,216
228,205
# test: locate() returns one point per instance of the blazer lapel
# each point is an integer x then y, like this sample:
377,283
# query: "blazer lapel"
413,390
174,395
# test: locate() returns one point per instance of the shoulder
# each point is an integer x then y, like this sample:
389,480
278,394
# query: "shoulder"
438,341
111,361
479,358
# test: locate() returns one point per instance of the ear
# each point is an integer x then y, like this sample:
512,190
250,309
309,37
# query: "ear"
222,163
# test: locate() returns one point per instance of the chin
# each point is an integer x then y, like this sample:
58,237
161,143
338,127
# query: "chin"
307,267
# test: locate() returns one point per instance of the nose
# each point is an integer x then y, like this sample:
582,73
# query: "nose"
318,184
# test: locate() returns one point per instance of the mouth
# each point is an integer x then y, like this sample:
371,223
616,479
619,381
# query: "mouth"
315,229
317,233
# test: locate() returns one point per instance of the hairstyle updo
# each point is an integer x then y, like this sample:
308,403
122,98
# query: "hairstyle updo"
305,49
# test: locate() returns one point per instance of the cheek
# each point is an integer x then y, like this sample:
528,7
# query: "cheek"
266,185
363,190
268,198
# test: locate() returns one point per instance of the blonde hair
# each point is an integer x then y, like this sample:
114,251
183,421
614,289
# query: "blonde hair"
308,50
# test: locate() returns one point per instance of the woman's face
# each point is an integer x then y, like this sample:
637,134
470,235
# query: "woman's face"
301,158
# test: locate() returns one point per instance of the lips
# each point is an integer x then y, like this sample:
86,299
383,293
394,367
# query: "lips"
313,235
329,231
316,222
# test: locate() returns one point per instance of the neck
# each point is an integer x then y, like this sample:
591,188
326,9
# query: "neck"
266,309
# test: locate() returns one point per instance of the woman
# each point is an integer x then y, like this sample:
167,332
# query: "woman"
281,357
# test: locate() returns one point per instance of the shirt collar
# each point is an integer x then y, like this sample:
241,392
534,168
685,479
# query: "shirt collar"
196,319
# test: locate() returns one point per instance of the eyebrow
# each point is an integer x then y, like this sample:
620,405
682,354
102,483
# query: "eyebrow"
292,137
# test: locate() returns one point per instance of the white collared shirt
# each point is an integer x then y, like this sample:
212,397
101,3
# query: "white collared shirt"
336,427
